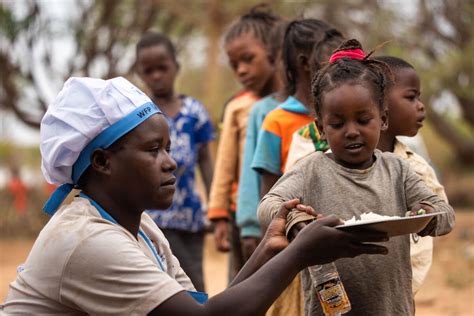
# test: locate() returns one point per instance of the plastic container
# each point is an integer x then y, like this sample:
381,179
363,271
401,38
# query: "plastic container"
330,290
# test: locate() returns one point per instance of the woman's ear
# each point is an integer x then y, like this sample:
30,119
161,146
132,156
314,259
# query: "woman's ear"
384,117
100,161
317,121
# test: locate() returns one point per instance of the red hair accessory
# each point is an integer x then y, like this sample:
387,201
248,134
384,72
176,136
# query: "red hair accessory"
350,53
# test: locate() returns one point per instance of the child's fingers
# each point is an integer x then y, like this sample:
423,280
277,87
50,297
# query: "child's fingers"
307,209
286,207
421,209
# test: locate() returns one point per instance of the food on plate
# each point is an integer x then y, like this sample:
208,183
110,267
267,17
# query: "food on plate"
368,217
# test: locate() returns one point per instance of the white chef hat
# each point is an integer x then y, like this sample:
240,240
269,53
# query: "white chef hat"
87,114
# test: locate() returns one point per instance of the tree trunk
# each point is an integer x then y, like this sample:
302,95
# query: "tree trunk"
463,147
212,75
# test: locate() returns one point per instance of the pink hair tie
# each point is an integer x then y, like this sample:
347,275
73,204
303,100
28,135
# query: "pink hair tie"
350,53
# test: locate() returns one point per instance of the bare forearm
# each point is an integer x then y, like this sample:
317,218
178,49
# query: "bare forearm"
261,255
268,180
252,296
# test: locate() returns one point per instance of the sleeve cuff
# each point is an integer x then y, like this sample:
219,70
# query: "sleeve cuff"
217,213
250,231
259,167
295,218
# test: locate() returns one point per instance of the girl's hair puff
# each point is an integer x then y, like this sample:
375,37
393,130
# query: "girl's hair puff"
310,37
375,75
150,39
260,22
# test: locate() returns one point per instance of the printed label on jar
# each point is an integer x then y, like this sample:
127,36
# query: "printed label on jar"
332,296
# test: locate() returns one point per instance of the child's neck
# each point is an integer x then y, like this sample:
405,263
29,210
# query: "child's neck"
386,142
303,93
169,104
273,85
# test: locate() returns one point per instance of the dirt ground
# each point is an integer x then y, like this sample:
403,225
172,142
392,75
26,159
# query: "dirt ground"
449,289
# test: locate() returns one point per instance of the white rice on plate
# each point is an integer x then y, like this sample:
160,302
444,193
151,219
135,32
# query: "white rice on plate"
368,217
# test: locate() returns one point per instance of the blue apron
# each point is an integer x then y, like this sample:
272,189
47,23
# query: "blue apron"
199,297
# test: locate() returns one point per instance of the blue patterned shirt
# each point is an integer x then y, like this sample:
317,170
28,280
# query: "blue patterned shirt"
189,129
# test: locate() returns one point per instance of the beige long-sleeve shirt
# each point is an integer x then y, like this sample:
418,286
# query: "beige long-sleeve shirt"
229,156
421,248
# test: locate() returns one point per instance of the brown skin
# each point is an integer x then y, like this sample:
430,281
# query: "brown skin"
158,69
249,59
351,122
221,234
406,112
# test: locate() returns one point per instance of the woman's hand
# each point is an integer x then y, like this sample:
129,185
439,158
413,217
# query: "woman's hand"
275,236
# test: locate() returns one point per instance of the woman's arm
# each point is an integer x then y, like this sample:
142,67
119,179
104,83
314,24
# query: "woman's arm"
254,294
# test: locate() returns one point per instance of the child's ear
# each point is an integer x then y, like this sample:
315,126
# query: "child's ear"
384,117
303,62
271,59
100,161
317,121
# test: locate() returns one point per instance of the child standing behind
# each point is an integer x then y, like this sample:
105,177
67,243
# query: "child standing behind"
406,116
305,40
249,184
248,46
190,132
356,178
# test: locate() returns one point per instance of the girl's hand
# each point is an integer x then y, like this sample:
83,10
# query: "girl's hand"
424,208
221,235
421,208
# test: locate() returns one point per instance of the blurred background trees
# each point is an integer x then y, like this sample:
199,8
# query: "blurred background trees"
45,42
